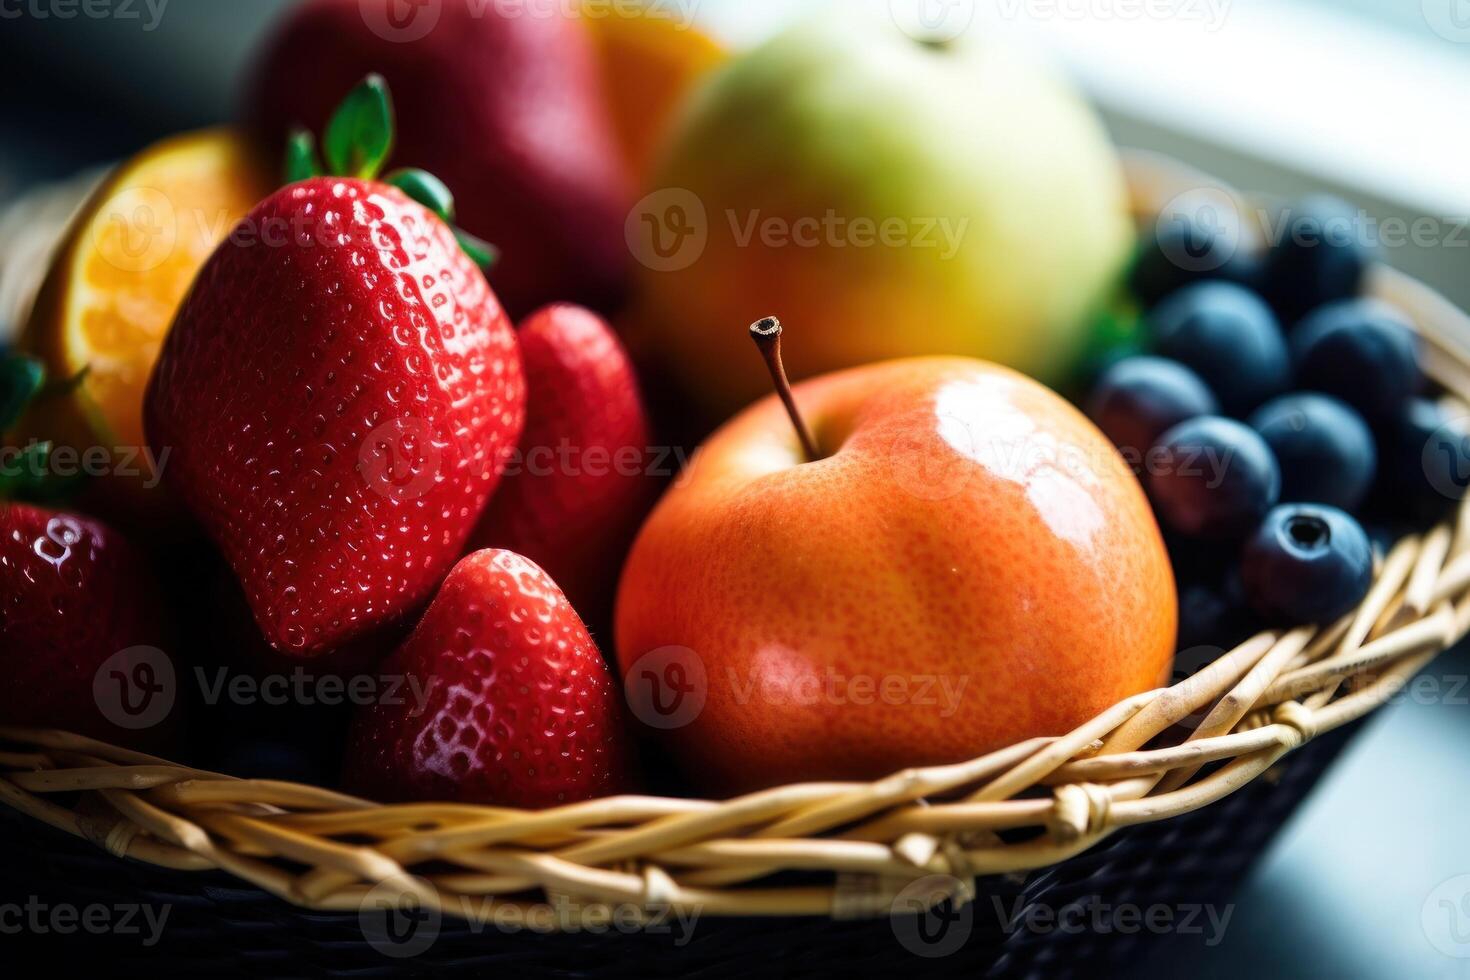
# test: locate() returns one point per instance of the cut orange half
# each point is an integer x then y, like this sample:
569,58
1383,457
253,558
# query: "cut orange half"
650,57
129,257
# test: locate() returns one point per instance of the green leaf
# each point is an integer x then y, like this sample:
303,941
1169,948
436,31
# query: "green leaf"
359,136
425,188
23,468
28,475
21,379
24,471
57,387
481,252
301,158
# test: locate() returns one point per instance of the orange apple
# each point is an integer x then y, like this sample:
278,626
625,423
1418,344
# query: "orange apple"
967,563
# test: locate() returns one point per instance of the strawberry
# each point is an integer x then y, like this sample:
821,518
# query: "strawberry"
73,597
579,486
501,99
521,709
338,393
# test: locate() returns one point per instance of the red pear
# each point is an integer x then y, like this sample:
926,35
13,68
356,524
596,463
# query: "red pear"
499,101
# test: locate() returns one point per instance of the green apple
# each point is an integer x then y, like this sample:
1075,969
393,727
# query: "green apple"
886,196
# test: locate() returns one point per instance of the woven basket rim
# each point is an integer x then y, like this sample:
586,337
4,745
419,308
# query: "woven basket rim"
941,825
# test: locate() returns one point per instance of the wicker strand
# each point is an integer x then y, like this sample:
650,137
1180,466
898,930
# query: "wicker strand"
858,845
325,850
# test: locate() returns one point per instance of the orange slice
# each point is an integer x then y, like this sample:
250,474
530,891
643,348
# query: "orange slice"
129,257
649,62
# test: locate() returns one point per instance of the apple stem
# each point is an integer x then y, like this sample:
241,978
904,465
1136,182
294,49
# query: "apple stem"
766,332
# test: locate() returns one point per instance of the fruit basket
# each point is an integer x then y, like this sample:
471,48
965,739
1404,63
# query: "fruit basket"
1164,798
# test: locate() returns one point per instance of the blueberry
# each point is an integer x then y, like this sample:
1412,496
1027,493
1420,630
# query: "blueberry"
1316,259
1325,449
1306,564
1138,398
1229,337
1426,461
1182,250
1360,351
1212,477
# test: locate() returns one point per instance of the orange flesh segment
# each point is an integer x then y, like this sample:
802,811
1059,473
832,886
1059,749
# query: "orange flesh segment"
137,254
649,63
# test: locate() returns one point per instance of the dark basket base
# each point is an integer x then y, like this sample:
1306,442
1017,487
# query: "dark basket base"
1086,916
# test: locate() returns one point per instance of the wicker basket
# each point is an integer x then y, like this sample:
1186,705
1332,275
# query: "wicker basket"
1129,810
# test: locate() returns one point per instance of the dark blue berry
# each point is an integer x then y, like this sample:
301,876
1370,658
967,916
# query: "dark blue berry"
1317,257
1361,352
1325,449
1426,462
1212,477
1306,564
1138,398
1182,249
1228,336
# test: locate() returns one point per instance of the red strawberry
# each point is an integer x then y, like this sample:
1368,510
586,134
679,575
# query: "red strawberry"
338,394
501,101
521,709
73,596
580,486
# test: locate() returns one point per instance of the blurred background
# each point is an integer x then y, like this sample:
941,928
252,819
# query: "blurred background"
1362,97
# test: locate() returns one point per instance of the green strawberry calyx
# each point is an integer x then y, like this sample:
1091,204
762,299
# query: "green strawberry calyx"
25,471
357,143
